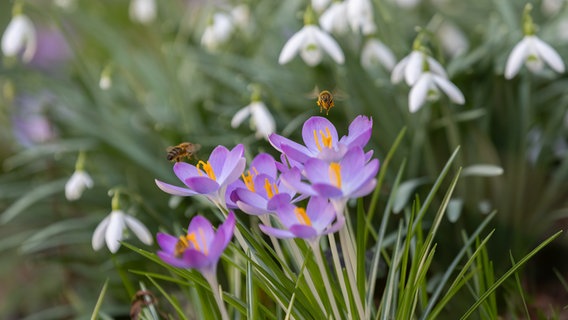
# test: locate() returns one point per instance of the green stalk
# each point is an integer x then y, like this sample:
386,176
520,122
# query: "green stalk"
321,265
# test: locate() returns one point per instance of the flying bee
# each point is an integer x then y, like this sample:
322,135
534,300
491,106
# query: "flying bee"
182,150
325,101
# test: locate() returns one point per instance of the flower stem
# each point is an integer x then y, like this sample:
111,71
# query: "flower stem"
212,280
322,267
337,264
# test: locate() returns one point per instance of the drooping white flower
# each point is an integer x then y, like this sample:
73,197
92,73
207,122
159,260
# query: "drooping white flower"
241,16
412,66
375,51
142,11
551,7
261,119
218,31
311,42
111,231
20,35
334,20
360,16
76,185
453,40
408,4
428,87
320,5
532,52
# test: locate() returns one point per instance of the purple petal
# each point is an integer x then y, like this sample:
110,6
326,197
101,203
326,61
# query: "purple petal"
185,170
228,227
303,231
352,163
296,152
217,247
202,185
319,125
317,171
279,200
264,163
364,189
251,209
166,242
292,179
327,190
232,164
197,259
338,225
251,198
172,260
217,159
174,190
200,222
278,233
360,131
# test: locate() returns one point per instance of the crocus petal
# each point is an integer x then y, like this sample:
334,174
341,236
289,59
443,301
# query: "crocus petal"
200,222
185,170
202,185
166,242
174,190
313,130
340,222
236,172
233,166
296,152
139,229
114,230
292,46
264,163
240,116
364,189
517,58
329,45
303,231
449,89
172,260
197,259
360,131
217,159
549,55
99,235
417,95
327,190
278,233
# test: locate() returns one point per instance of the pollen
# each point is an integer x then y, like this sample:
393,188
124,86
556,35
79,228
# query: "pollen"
271,189
184,242
335,174
207,168
302,216
326,140
249,179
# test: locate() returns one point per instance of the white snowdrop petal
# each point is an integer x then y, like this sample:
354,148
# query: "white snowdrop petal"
414,68
139,229
436,67
114,230
142,11
549,55
99,235
263,120
376,50
450,89
328,44
292,46
517,58
398,71
240,116
418,93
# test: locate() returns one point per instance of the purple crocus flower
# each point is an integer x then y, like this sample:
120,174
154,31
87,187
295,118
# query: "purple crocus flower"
352,177
209,178
310,223
261,185
321,140
201,248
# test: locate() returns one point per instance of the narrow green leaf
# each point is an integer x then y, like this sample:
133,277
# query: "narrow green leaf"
95,314
40,192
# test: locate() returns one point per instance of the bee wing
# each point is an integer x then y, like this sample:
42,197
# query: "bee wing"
313,94
196,147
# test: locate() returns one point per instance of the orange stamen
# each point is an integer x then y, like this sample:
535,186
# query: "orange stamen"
207,168
271,189
335,174
303,217
325,139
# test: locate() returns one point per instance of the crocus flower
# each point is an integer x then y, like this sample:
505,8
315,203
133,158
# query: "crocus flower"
261,119
262,185
375,51
321,140
209,178
428,88
310,223
201,248
532,52
111,231
412,66
311,42
76,184
20,35
351,177
142,11
218,31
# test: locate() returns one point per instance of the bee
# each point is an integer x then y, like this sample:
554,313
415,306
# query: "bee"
325,101
182,150
142,299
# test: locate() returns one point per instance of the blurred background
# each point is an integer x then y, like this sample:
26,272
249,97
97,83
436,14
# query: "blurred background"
120,87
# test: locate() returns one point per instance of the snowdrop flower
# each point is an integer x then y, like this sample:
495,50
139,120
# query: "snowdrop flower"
551,7
142,11
428,87
241,16
320,5
20,35
76,185
360,16
452,39
411,67
111,229
310,41
407,3
218,31
334,20
375,51
532,51
261,119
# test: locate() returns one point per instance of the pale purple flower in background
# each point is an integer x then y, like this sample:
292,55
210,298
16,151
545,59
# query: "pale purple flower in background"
142,11
76,184
218,31
52,50
373,52
111,231
20,37
534,53
29,123
412,66
428,88
261,121
311,42
334,20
